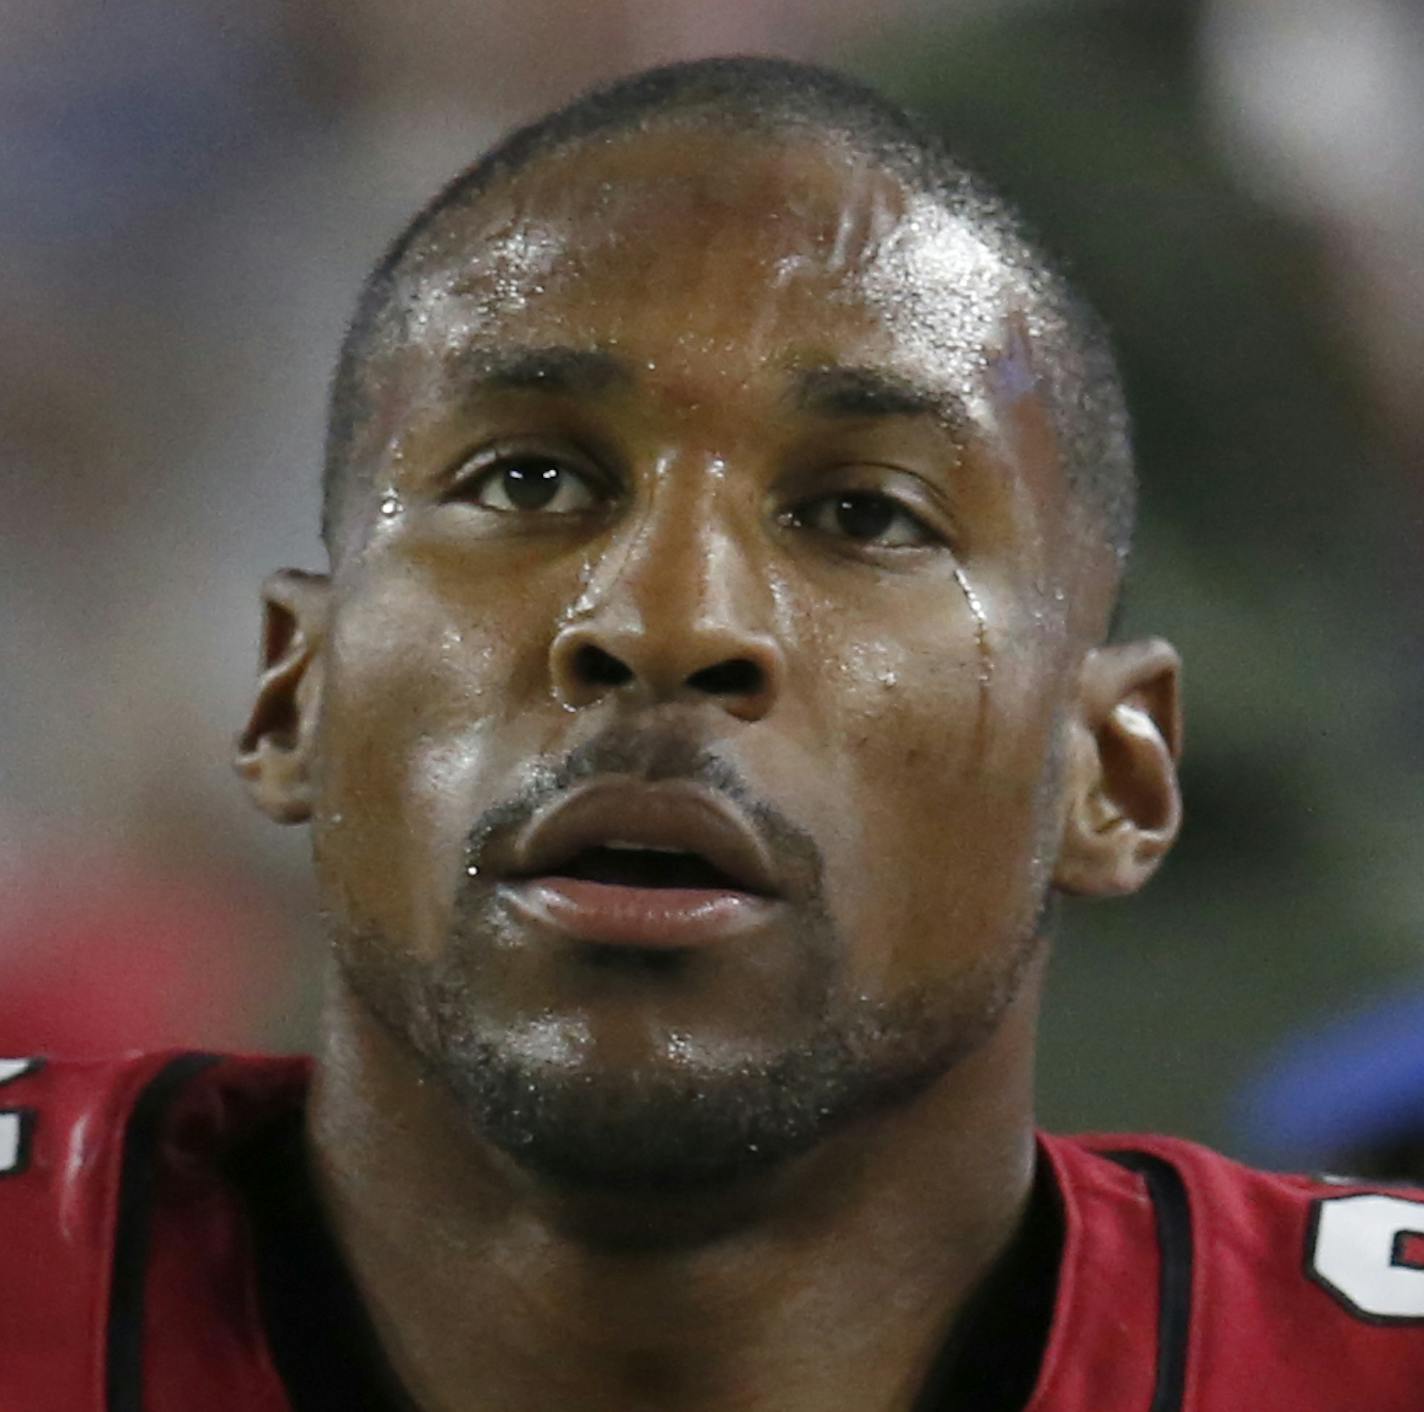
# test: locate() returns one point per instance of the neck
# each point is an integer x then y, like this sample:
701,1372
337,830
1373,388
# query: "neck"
829,1284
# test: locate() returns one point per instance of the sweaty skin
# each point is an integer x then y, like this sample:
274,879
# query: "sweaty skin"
705,344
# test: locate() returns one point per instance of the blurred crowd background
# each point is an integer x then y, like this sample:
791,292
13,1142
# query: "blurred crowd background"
189,195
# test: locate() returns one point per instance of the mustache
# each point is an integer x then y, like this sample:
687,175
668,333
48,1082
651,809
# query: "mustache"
652,756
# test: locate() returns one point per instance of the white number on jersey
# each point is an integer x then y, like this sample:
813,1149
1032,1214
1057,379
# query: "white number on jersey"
1368,1251
14,1122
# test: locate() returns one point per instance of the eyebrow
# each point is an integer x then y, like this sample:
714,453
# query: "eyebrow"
836,390
829,390
555,368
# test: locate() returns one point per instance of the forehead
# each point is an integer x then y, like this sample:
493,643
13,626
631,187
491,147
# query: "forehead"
682,241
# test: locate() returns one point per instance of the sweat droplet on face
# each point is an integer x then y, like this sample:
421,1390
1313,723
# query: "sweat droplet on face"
390,504
981,626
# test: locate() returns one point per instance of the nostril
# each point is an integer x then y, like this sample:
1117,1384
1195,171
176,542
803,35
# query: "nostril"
738,676
595,667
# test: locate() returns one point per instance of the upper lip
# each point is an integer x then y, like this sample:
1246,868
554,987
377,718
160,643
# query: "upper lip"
663,815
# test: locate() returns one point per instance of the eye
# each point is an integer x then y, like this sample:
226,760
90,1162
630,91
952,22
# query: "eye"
529,484
865,517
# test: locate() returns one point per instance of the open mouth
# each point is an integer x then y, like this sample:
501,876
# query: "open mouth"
628,863
637,866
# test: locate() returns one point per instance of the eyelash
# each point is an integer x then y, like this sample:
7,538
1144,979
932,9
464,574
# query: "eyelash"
490,473
848,503
851,502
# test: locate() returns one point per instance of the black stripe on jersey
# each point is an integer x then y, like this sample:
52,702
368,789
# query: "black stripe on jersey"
124,1348
321,1338
1174,1245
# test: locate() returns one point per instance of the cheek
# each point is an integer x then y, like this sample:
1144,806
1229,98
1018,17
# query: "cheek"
407,713
946,767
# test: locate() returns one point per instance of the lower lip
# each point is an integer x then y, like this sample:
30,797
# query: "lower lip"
669,917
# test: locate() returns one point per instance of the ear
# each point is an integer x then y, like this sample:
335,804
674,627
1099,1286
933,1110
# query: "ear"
276,749
1122,804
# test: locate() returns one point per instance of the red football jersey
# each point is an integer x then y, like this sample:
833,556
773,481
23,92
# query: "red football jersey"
1187,1283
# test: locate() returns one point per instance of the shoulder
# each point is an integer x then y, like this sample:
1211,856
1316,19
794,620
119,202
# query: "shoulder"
1360,1243
1289,1291
66,1123
94,1158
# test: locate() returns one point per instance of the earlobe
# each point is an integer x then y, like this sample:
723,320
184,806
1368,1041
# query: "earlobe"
1122,803
276,748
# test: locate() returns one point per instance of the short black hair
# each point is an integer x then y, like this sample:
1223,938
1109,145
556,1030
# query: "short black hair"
781,98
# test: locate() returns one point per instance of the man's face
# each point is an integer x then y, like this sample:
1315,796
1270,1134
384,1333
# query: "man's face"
713,511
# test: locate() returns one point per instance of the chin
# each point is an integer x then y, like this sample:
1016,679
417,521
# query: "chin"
680,1124
607,1110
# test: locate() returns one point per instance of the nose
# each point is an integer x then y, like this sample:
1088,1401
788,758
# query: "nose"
682,621
739,673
